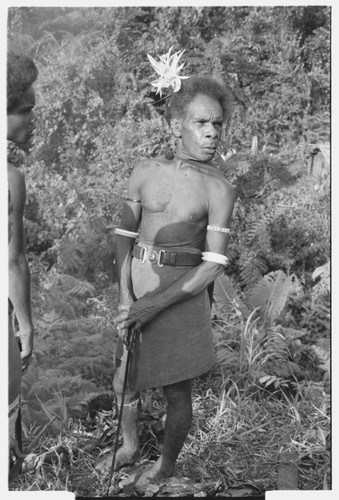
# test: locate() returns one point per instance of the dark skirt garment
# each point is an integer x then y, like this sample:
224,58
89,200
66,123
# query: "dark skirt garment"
177,344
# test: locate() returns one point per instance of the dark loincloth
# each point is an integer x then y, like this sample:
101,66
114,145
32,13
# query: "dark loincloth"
177,344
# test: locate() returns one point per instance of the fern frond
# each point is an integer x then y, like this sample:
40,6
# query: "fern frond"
256,229
90,366
252,270
282,368
232,251
51,373
227,357
95,338
93,401
45,386
67,383
81,326
275,347
74,286
70,256
243,167
45,322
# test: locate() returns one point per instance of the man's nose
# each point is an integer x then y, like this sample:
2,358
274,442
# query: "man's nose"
33,117
212,131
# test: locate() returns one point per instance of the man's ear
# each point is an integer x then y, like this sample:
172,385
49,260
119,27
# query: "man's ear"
175,125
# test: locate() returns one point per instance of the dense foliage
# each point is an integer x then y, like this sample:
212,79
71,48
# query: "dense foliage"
98,116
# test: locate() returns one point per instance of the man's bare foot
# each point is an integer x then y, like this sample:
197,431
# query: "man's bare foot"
124,456
153,474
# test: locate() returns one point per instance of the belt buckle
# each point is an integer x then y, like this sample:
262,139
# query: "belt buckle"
144,254
152,256
160,254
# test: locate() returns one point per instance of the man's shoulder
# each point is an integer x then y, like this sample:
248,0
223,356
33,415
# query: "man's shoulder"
146,164
14,173
151,162
221,186
16,180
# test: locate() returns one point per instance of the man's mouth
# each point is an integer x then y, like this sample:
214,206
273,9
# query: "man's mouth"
30,137
210,149
31,134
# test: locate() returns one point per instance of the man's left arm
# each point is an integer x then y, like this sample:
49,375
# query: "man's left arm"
19,274
192,283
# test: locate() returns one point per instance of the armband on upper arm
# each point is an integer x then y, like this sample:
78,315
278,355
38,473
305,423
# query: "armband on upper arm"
218,258
124,232
132,200
218,229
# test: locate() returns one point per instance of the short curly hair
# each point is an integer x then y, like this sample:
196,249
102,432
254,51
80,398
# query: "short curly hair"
21,74
206,85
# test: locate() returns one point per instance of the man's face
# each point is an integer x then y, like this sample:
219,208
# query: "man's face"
200,129
21,119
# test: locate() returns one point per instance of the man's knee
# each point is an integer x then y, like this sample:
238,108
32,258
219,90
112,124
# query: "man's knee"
179,394
118,387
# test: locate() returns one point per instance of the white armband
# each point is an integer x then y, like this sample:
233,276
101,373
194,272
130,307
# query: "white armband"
124,232
218,229
132,200
218,258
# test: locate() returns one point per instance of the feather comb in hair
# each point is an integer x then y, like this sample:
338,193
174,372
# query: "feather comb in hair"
168,69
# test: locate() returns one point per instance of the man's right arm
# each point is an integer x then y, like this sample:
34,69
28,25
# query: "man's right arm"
19,275
222,199
130,218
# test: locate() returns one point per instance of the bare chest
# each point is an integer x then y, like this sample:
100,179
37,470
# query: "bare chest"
181,197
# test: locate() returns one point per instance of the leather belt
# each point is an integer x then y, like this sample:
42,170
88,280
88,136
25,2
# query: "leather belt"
165,257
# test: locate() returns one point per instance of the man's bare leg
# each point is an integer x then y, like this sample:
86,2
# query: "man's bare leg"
129,452
178,423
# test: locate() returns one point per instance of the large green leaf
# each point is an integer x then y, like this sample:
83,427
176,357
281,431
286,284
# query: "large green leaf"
227,297
271,293
281,286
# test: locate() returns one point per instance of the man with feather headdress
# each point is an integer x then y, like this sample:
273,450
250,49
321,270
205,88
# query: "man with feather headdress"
171,246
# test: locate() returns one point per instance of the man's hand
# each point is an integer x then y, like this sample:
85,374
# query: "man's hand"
14,448
26,341
136,314
122,332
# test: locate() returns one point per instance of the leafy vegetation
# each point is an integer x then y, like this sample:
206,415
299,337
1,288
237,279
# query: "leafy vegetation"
271,310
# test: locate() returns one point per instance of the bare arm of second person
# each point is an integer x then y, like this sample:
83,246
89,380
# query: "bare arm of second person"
19,275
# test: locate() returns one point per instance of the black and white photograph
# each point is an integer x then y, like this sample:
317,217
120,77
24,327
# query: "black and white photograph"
169,294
